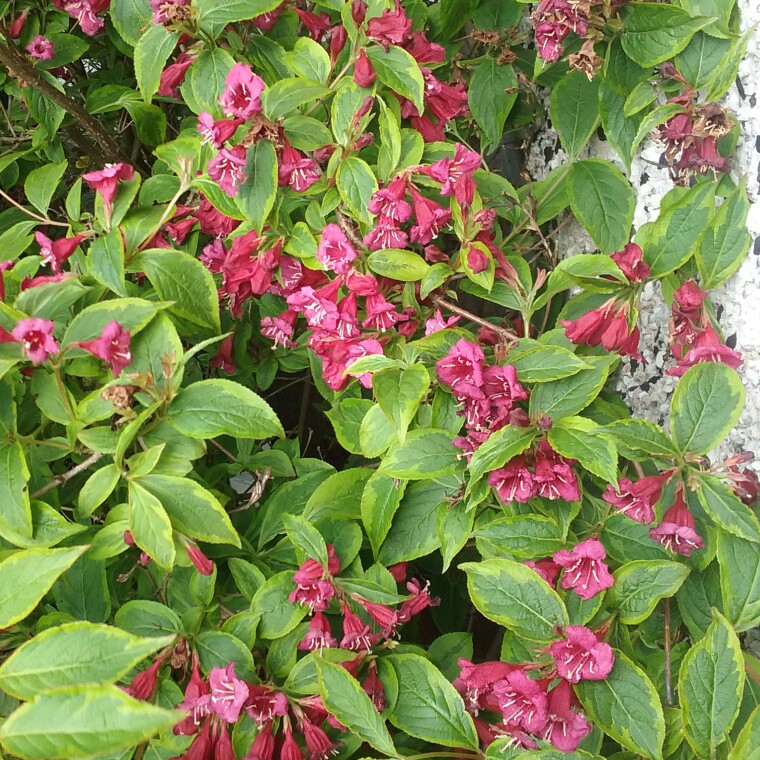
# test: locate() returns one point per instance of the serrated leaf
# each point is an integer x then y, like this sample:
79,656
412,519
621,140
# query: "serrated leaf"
578,438
356,184
151,54
423,454
491,95
150,526
396,69
258,193
640,585
726,510
498,449
739,562
574,110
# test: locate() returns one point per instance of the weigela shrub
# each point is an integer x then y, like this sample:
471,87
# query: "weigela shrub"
309,438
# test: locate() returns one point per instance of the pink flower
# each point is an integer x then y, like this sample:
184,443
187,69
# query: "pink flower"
385,236
420,600
223,359
388,203
565,728
165,11
317,24
423,50
676,531
476,682
462,369
214,222
290,749
213,256
317,306
437,323
144,683
217,132
502,387
41,48
430,216
55,253
456,174
265,704
267,21
636,500
357,349
83,12
223,745
356,634
280,329
374,688
313,584
392,28
546,569
227,169
385,617
334,251
522,702
513,482
318,742
319,636
36,339
297,171
112,347
554,476
106,180
201,562
381,314
228,693
711,353
630,263
17,25
364,73
585,572
242,92
552,21
702,156
580,656
607,324
444,101
263,745
196,702
173,76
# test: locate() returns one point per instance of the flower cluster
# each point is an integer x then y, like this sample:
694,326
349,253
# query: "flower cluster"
531,702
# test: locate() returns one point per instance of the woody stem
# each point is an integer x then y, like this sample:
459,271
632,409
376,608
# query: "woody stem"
454,309
68,475
31,213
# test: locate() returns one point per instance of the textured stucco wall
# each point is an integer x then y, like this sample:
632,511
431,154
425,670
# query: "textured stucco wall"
645,386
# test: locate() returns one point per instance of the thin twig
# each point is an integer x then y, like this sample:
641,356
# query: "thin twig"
59,480
39,218
454,309
224,451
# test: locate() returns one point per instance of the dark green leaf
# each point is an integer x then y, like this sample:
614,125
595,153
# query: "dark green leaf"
574,110
640,585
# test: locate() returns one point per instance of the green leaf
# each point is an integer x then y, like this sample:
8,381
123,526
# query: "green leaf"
205,80
724,75
747,744
131,18
309,60
380,500
567,397
356,184
306,537
636,437
181,278
26,576
346,419
739,580
399,392
515,596
579,438
397,264
257,194
491,95
192,509
217,649
306,133
105,258
706,404
671,240
701,58
99,486
524,536
424,454
131,313
726,510
428,707
150,526
497,14
151,54
349,703
574,111
74,654
626,707
225,12
498,449
710,684
541,364
396,69
390,142
210,408
41,183
81,722
82,591
640,585
726,241
278,615
619,129
145,618
652,35
16,514
286,95
602,200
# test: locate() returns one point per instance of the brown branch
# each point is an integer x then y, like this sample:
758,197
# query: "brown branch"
59,480
454,309
15,61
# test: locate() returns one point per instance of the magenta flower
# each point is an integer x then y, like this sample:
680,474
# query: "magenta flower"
319,636
585,571
41,48
554,475
444,101
216,132
223,746
84,12
717,352
381,314
290,749
223,358
420,600
375,690
165,11
385,236
385,617
502,386
200,561
227,169
565,727
318,742
280,329
388,203
636,500
334,251
144,683
430,219
392,28
317,306
676,531
580,656
456,174
552,21
263,745
607,324
265,704
462,369
355,350
546,569
476,682
631,264
297,171
173,76
364,72
228,693
242,92
196,701
423,50
36,339
313,585
522,702
106,180
112,347
56,252
213,256
438,322
513,482
356,633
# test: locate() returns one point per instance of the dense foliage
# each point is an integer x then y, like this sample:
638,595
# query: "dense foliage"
309,442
